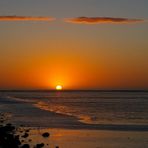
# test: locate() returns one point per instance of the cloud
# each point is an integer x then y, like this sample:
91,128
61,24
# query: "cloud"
25,18
101,20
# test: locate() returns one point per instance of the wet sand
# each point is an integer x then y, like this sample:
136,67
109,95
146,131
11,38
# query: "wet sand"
66,131
34,137
91,138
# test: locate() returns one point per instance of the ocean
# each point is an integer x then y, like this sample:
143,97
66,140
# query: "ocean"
106,110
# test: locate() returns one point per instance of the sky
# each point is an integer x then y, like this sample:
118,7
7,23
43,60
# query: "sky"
79,44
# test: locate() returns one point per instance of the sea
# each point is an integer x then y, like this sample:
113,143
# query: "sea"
103,110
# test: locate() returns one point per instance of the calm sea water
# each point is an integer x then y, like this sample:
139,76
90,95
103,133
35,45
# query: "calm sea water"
75,109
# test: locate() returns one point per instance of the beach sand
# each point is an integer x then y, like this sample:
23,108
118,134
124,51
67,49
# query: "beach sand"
77,138
71,138
89,138
67,131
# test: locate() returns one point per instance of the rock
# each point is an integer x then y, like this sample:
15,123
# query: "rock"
25,146
9,124
17,140
40,145
45,134
27,130
9,128
22,141
25,135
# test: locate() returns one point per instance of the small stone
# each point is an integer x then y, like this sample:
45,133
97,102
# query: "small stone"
25,146
40,145
27,130
45,134
9,124
25,135
22,141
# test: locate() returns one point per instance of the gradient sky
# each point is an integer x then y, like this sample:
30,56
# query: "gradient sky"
77,55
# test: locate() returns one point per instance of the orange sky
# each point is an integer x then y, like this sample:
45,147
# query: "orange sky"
74,71
41,47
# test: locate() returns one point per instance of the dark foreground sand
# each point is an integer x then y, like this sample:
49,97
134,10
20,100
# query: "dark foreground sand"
19,137
24,137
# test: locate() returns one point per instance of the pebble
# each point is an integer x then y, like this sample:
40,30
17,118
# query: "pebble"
45,134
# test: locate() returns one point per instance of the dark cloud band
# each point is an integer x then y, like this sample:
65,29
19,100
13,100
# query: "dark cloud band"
25,18
99,20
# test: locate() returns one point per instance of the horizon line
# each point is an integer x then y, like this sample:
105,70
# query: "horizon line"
73,90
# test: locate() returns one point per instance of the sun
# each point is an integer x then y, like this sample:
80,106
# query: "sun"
59,87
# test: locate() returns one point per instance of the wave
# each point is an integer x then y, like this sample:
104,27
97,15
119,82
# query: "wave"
64,110
25,100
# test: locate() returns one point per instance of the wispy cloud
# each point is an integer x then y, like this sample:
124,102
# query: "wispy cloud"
101,20
25,18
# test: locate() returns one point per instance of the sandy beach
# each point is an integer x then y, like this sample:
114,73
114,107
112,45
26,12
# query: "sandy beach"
92,138
27,116
64,138
25,137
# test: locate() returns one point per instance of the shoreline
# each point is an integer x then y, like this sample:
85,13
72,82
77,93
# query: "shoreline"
66,130
32,137
101,127
74,90
68,122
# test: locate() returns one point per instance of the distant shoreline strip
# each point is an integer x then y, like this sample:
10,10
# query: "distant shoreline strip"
68,90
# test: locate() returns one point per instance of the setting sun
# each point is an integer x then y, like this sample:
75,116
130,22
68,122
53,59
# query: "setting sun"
59,87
